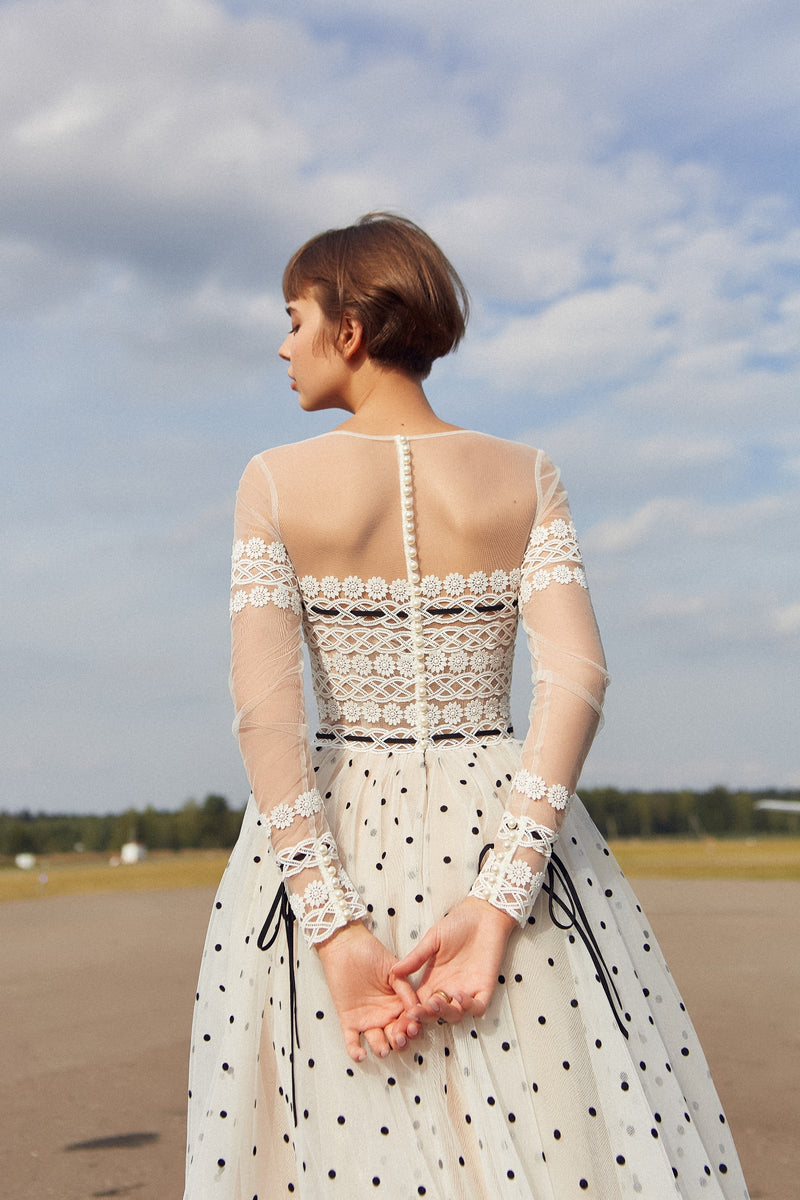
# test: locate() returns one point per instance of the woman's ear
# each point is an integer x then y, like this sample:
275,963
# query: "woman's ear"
351,336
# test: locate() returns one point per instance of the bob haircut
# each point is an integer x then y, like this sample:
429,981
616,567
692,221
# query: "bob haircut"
385,272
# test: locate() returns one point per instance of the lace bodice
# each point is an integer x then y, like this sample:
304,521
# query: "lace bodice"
410,658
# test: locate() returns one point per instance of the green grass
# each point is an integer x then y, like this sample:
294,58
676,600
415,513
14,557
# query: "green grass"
665,858
73,874
710,858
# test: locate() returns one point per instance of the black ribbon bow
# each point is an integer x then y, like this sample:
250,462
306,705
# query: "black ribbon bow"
283,917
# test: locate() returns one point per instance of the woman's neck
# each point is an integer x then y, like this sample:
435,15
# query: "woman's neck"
393,403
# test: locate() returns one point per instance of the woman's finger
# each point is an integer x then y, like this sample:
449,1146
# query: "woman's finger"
353,1045
404,990
377,1042
437,1008
476,1005
415,959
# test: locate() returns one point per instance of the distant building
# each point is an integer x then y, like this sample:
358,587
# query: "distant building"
132,852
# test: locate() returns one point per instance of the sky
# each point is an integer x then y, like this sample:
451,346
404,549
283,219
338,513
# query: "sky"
616,181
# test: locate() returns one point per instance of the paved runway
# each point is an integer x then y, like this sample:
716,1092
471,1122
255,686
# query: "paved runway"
96,1004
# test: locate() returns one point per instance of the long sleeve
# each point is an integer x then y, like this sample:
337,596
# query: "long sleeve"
569,682
270,723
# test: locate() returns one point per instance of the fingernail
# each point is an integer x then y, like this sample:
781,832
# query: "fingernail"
385,1052
400,1041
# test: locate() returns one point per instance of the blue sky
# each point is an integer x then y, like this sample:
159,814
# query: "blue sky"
616,181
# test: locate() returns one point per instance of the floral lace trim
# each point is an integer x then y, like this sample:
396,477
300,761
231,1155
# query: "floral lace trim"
511,887
327,903
392,666
511,884
267,566
284,815
535,788
551,546
450,715
267,571
453,586
542,579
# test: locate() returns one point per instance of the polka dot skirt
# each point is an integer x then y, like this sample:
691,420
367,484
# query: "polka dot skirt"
542,1097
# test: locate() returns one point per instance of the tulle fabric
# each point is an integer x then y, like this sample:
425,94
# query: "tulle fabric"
585,1076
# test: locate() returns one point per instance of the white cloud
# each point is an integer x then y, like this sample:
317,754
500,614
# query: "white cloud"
622,202
594,337
787,619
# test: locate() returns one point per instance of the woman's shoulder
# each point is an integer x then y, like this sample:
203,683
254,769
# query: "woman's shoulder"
509,452
290,454
506,453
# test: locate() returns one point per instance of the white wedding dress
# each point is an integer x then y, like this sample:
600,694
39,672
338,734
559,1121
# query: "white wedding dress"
405,565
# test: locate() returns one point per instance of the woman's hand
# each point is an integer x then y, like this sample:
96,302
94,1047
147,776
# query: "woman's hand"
357,969
461,956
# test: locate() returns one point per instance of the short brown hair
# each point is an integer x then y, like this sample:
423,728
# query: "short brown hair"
387,273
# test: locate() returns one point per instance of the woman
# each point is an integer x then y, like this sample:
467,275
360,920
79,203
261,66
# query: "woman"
406,988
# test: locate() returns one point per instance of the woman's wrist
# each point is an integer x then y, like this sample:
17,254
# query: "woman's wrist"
490,914
339,938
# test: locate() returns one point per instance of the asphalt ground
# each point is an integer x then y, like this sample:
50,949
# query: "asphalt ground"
96,996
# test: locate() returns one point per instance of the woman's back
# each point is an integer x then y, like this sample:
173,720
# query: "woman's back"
475,499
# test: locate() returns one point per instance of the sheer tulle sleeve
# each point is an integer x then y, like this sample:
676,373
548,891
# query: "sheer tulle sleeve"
569,682
270,723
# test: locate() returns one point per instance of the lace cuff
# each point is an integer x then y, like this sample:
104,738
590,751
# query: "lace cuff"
328,902
510,883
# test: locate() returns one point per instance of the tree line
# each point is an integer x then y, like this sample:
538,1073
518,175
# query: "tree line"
213,824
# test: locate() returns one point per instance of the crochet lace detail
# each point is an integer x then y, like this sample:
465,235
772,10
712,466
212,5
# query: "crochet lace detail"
556,543
506,881
535,788
281,816
369,664
262,574
328,901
